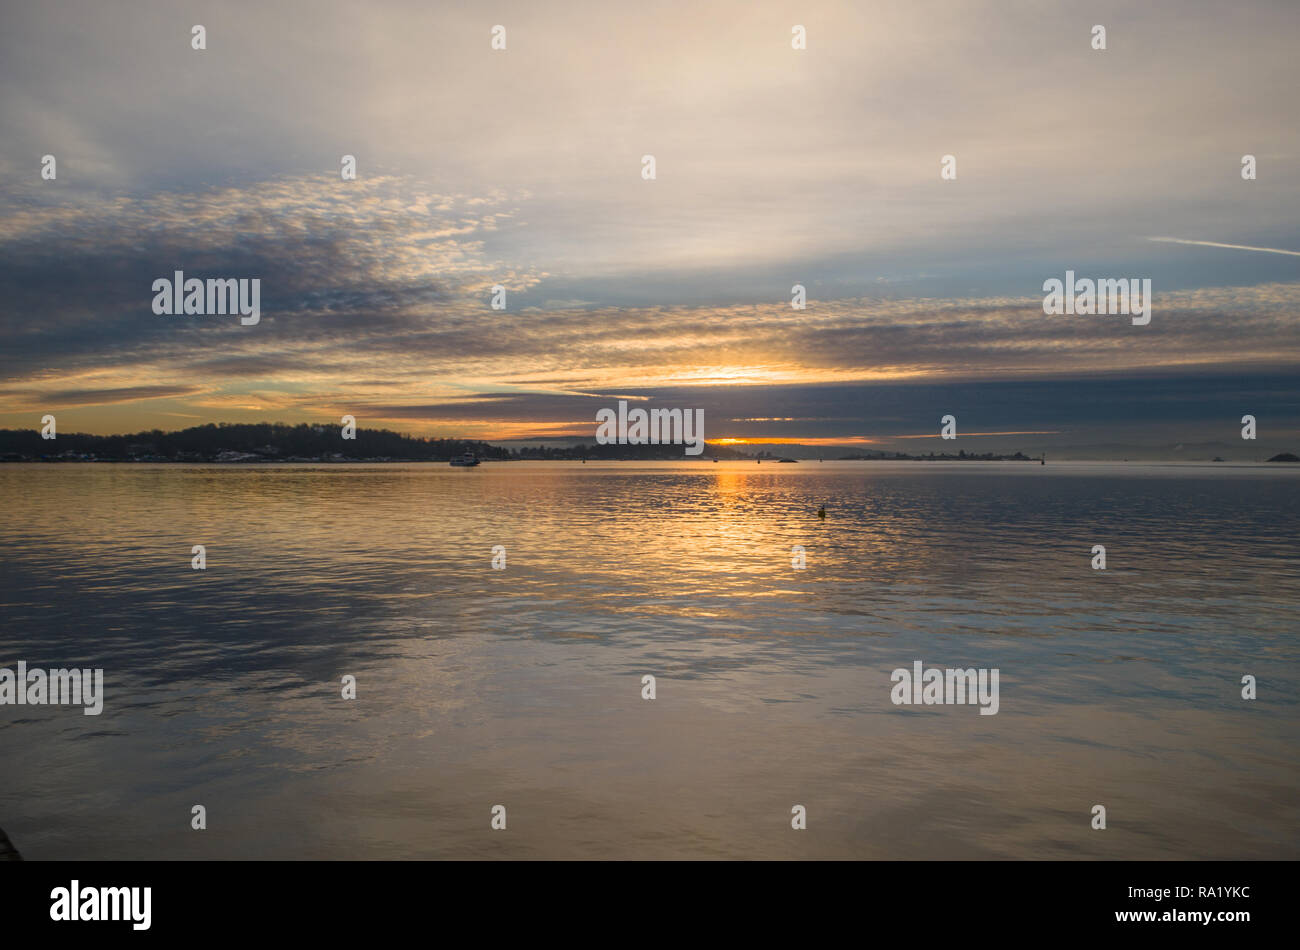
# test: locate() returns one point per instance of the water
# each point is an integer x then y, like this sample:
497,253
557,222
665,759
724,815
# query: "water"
522,687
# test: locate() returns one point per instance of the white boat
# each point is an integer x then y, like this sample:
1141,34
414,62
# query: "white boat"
465,461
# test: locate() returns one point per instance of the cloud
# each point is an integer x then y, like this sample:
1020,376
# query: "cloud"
99,397
377,297
771,161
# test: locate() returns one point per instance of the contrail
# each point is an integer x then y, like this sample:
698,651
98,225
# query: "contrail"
1235,247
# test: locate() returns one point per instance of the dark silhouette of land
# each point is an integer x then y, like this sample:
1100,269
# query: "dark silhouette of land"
278,442
238,442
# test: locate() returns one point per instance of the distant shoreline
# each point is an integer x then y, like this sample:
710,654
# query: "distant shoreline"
1226,463
338,459
316,444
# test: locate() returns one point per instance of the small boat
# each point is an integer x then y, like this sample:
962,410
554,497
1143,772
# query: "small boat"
465,461
1217,459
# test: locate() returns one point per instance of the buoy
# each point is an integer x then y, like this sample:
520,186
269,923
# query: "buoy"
821,512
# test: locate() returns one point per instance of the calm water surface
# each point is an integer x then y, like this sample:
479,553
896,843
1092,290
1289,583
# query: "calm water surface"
522,687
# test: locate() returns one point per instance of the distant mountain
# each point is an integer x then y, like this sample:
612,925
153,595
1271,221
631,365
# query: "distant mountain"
1285,457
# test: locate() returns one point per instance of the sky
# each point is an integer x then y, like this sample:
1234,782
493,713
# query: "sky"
774,166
